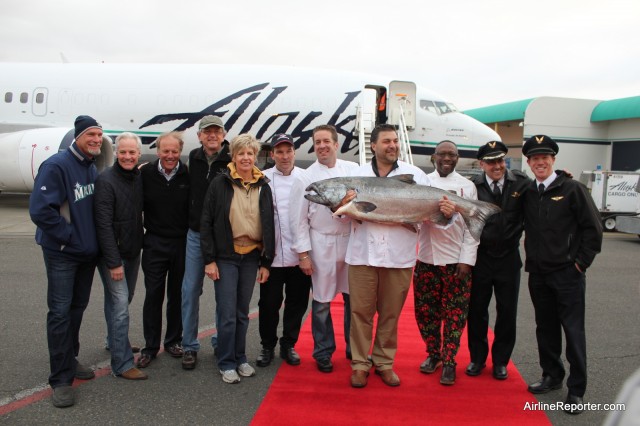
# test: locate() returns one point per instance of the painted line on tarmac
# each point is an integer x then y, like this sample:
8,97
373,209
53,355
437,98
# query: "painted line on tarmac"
39,392
42,391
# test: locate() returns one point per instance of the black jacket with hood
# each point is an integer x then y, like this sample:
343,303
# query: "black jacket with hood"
216,235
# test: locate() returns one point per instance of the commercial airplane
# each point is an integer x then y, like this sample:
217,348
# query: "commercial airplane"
39,103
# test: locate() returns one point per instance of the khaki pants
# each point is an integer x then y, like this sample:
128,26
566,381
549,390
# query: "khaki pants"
381,290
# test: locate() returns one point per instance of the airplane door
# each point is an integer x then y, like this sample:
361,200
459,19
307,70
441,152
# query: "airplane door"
380,103
369,109
39,101
402,93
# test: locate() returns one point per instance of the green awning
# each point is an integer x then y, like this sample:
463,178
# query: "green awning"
502,112
617,109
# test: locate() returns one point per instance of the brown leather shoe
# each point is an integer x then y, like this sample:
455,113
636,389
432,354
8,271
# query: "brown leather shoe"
189,360
389,377
175,350
144,360
359,378
134,374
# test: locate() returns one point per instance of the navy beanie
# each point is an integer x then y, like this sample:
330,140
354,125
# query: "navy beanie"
84,123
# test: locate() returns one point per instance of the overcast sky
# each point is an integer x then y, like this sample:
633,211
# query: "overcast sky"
474,53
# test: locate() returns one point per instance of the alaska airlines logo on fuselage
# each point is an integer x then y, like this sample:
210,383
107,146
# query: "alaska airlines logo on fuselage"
82,191
302,132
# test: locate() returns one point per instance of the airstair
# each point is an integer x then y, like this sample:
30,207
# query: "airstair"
365,123
400,110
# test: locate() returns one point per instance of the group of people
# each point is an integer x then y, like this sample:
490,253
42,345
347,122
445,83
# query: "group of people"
222,218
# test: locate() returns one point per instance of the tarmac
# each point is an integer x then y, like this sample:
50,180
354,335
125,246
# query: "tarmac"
175,396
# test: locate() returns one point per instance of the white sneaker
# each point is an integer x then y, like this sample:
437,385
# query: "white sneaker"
245,370
230,376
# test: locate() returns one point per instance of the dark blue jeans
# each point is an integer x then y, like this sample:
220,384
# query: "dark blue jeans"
68,295
233,295
192,283
324,340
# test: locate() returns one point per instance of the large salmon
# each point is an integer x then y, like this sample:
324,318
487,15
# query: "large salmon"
397,200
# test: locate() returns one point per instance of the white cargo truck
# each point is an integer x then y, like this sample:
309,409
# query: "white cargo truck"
630,224
614,193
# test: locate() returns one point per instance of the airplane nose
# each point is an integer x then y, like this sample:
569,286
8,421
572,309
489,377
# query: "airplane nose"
483,132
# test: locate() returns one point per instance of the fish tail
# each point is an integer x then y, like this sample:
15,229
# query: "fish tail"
476,216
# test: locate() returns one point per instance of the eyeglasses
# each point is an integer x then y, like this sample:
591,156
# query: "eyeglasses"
446,155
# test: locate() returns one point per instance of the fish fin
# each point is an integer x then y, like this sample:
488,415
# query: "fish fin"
359,206
474,226
411,227
476,217
364,206
438,218
406,178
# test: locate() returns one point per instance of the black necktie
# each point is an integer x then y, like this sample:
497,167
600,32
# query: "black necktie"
541,189
496,188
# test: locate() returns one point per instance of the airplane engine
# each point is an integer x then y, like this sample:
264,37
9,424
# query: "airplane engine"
21,154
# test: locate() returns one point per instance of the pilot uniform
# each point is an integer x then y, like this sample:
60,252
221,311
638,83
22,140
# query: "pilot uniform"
497,268
563,236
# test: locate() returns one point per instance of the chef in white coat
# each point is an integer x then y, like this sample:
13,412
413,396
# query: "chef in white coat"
442,276
321,243
381,258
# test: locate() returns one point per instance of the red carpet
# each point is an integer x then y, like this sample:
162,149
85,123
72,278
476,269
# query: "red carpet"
304,396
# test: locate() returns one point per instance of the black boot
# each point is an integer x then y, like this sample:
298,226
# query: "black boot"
265,357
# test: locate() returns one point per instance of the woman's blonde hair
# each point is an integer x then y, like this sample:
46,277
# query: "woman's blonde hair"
245,140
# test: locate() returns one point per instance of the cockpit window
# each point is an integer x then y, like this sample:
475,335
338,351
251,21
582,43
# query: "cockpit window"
428,106
437,107
445,107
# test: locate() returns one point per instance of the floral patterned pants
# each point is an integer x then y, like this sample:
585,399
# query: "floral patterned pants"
441,307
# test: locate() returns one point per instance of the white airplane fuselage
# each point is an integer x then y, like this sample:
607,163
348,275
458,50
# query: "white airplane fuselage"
41,102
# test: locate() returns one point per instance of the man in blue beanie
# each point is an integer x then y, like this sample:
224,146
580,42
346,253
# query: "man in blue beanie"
61,206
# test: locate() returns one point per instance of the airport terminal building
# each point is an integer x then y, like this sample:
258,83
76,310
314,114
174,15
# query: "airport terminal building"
591,133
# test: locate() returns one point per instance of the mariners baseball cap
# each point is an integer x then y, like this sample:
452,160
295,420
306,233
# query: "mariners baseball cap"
281,138
492,151
539,144
210,120
84,123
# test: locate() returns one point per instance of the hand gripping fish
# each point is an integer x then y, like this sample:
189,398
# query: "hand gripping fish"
397,200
